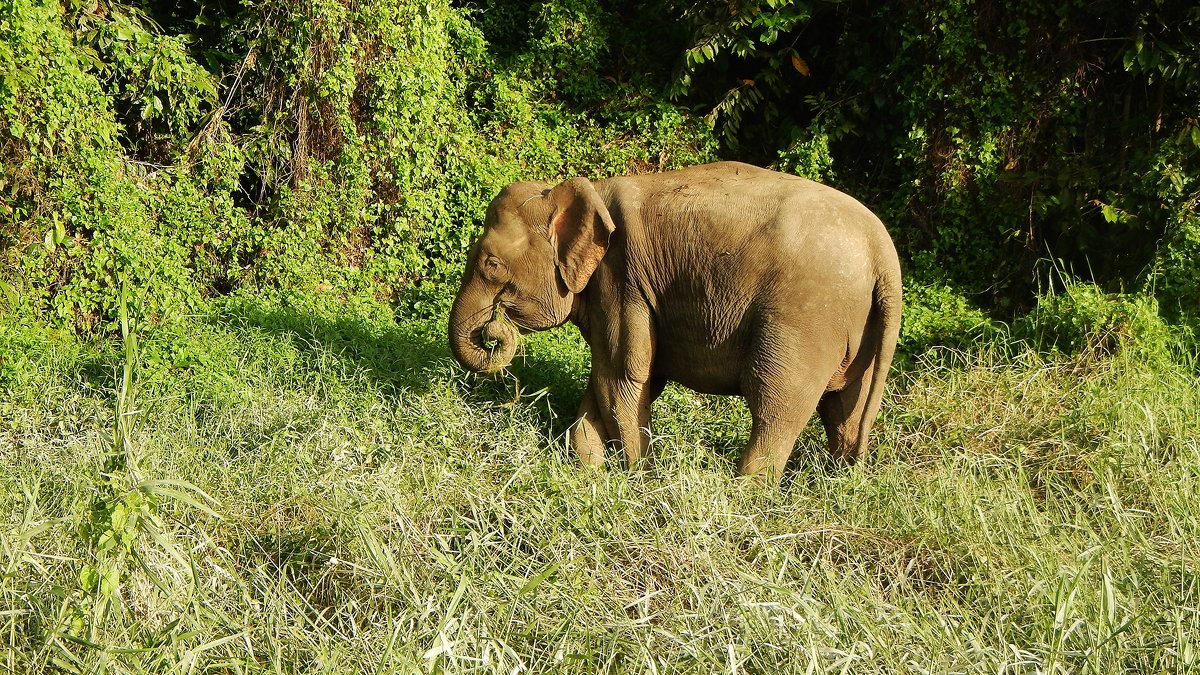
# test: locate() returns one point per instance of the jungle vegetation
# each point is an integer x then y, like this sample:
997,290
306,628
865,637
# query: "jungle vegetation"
234,441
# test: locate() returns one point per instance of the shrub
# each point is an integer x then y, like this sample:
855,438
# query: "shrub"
1175,276
1084,320
68,178
935,315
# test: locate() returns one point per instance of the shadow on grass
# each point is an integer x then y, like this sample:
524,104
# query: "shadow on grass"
809,462
413,356
547,378
405,357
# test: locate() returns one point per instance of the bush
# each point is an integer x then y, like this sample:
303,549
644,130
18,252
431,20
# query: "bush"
936,315
350,149
69,179
1175,277
1085,321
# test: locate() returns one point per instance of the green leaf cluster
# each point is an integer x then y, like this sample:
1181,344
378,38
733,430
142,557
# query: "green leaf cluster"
992,137
301,150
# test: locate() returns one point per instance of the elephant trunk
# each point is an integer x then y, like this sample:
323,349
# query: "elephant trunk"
479,341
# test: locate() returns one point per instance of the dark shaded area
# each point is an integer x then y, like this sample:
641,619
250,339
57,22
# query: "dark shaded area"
403,357
1008,146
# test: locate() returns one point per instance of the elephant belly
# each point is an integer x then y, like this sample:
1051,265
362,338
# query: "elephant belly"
708,369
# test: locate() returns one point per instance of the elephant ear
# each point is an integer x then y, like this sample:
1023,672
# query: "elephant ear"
580,229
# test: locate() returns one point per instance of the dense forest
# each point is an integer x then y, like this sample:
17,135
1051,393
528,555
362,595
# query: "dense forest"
192,150
235,441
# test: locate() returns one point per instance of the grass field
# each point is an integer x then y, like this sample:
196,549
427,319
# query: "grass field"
274,490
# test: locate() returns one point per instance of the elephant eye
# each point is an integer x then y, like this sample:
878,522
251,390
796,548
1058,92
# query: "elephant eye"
494,269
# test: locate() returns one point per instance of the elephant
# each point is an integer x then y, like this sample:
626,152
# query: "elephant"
726,278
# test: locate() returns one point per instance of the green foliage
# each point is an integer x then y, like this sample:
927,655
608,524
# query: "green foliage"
986,134
936,316
1177,275
1084,320
66,176
405,125
353,148
326,147
808,156
160,94
112,240
570,44
348,149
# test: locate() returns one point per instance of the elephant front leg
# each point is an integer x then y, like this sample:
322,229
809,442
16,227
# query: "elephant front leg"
625,406
589,434
622,381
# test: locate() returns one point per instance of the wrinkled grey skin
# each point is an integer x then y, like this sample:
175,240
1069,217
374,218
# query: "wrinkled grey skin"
726,278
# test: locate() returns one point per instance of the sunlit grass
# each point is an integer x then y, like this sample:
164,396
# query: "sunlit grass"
332,494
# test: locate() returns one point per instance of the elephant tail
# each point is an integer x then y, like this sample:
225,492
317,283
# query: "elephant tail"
887,306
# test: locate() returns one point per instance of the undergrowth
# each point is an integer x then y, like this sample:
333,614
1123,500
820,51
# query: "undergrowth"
322,490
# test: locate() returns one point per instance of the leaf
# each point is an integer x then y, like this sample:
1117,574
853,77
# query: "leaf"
800,65
542,576
1196,136
89,577
1147,58
106,541
110,581
183,492
10,293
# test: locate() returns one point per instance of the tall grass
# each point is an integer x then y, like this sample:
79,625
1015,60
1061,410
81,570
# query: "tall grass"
268,490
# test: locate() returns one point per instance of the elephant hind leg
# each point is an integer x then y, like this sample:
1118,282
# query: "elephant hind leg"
777,422
766,455
848,415
849,412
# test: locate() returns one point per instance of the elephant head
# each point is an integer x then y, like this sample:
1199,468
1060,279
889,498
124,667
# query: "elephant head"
539,248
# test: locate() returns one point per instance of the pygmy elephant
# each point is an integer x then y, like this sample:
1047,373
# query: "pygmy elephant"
726,278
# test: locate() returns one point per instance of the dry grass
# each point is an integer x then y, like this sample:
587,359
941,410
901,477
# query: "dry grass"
330,495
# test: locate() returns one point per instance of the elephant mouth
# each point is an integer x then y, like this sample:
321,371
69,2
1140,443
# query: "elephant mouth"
500,337
503,314
498,330
542,318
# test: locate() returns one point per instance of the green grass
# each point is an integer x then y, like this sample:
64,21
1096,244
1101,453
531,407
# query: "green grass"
294,491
